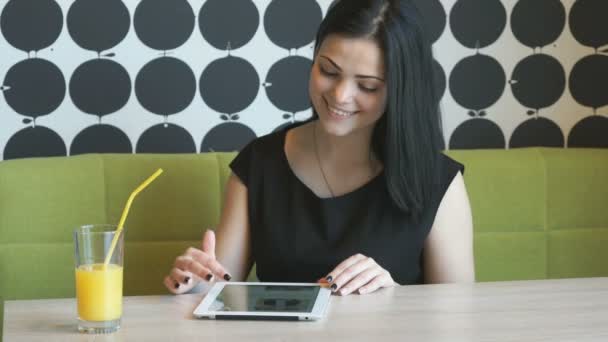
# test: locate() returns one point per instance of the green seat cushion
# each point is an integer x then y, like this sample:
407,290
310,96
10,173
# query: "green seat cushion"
510,256
506,189
577,188
44,199
578,253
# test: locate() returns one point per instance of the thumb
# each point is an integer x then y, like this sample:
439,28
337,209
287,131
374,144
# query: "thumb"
209,243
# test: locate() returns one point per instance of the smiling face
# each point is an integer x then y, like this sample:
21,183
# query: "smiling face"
347,86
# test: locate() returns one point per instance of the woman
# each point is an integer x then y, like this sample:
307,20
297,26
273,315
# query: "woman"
360,195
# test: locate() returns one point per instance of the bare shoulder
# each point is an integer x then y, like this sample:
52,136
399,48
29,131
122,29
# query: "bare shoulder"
454,206
448,250
456,195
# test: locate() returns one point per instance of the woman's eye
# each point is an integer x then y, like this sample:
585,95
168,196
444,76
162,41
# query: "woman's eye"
327,73
368,89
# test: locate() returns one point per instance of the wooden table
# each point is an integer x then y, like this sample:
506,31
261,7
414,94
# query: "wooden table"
546,310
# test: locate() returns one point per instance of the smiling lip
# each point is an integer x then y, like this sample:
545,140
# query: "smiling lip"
339,113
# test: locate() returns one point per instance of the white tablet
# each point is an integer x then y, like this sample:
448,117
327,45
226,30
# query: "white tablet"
264,301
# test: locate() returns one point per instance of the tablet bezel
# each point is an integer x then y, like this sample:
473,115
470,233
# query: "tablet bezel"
317,312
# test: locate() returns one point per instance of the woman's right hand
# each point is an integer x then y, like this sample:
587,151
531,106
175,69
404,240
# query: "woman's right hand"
196,265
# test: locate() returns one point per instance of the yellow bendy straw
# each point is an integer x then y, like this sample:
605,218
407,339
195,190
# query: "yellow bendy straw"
125,212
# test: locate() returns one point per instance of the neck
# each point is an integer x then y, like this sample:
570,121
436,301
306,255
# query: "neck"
352,149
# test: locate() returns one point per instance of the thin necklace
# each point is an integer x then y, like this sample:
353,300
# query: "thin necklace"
314,134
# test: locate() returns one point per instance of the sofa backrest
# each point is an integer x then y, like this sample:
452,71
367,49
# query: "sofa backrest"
42,200
538,213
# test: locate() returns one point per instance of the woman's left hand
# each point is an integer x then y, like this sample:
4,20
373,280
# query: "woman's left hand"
358,273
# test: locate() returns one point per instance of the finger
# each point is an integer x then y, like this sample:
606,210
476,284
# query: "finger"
382,280
360,280
182,277
170,284
199,256
219,270
209,248
174,287
189,264
209,243
353,271
207,261
343,265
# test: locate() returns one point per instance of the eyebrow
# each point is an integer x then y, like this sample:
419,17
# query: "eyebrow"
340,69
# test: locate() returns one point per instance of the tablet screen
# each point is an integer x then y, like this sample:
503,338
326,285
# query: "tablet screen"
266,298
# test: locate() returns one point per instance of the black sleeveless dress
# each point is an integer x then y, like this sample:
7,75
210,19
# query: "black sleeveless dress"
299,237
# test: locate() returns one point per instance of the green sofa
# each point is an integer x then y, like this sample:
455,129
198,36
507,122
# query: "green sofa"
538,213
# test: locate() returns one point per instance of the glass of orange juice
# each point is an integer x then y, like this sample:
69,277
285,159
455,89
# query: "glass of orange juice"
98,286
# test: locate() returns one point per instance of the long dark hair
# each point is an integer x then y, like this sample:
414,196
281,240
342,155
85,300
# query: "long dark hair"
407,138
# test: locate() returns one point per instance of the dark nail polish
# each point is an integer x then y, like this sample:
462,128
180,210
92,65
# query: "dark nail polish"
227,277
177,285
209,276
334,287
186,280
329,278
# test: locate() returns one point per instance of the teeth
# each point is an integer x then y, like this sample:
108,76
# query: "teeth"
340,112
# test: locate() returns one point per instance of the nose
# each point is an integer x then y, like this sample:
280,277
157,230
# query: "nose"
344,92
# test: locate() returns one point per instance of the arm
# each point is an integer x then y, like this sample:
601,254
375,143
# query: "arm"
234,237
448,250
231,254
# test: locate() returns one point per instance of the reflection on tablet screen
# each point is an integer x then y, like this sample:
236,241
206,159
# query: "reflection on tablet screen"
266,298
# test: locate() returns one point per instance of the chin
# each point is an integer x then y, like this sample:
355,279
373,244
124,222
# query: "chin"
336,128
338,131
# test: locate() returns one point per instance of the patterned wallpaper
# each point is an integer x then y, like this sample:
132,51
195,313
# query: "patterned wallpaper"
171,76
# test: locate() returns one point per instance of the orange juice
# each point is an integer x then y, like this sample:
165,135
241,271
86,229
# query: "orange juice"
99,292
